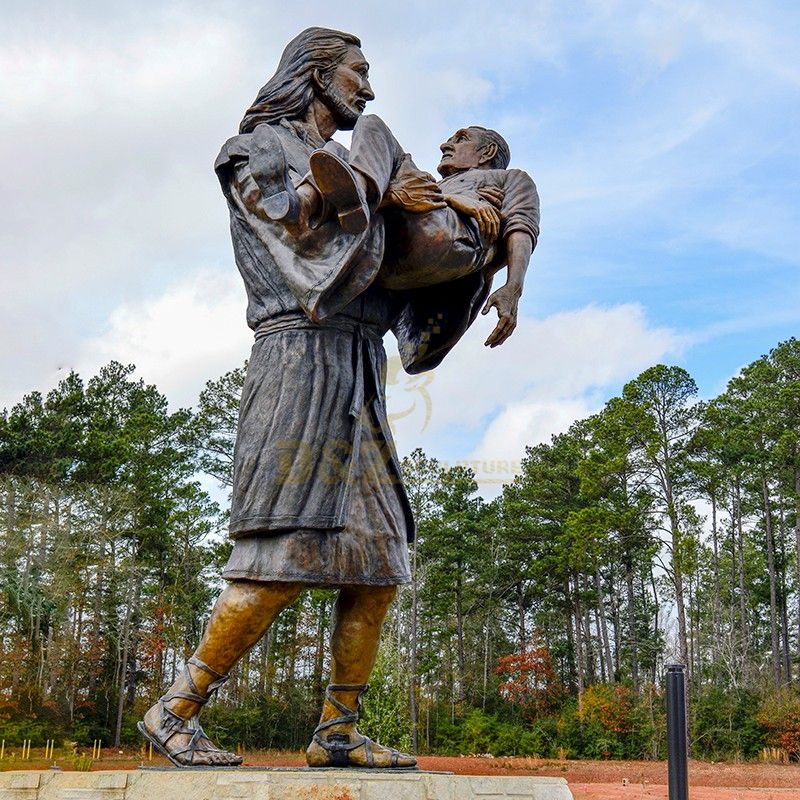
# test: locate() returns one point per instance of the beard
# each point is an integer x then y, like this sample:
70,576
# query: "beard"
344,114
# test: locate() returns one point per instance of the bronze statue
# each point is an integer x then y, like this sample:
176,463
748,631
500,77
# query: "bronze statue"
321,236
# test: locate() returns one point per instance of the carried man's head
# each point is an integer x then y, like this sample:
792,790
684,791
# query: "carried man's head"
318,63
473,148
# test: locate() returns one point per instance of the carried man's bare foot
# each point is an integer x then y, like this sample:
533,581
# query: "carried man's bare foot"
335,187
171,724
337,742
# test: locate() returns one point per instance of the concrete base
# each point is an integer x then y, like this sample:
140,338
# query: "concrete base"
274,784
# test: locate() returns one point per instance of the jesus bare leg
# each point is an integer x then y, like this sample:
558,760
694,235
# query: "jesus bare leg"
241,616
358,617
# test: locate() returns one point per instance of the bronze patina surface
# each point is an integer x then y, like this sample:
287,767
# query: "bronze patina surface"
336,248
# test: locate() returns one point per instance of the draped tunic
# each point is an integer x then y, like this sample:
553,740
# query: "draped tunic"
315,385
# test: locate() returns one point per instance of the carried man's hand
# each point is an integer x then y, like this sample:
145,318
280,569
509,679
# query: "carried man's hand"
519,246
493,195
506,301
484,213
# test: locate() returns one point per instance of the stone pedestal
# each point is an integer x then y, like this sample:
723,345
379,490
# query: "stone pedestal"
275,784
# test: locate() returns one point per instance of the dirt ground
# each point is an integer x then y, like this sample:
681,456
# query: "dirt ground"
588,780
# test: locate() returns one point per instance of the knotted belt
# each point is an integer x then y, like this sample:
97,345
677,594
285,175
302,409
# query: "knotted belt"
362,332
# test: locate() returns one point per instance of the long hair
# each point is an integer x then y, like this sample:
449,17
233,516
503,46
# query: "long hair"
289,92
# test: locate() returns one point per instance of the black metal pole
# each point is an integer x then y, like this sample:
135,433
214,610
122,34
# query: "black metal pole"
676,733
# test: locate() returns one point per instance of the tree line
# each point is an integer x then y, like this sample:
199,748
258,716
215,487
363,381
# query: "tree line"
660,529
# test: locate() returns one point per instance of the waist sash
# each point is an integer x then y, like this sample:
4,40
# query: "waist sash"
362,333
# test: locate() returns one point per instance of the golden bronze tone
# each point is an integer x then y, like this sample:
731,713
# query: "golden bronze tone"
337,247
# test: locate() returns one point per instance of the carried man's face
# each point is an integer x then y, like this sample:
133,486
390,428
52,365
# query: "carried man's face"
462,151
348,91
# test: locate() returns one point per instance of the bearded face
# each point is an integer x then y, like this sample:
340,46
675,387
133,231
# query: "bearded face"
348,91
345,112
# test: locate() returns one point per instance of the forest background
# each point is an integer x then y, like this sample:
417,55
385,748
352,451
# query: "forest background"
660,529
662,137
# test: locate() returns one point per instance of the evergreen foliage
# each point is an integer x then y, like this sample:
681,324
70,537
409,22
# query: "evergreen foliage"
659,529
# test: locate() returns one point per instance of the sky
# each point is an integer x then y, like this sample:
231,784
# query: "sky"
663,138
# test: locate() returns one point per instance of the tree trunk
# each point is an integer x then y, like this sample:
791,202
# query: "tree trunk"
572,672
485,664
613,598
609,664
773,592
601,659
693,670
462,689
715,562
697,638
319,654
797,549
123,668
783,600
655,620
677,577
268,662
412,684
579,663
743,621
632,635
587,637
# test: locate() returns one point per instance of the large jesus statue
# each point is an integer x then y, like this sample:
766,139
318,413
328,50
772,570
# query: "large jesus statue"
318,498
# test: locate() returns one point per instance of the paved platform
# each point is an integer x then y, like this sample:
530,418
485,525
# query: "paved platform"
274,784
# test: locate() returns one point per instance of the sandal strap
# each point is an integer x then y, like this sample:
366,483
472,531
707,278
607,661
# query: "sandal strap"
191,748
338,745
219,678
193,695
347,687
170,723
178,725
349,715
196,662
361,688
338,748
345,720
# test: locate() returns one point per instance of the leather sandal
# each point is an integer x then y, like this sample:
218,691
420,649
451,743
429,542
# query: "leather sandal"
338,185
172,724
338,746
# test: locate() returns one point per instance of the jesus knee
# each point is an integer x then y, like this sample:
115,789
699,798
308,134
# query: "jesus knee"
368,603
251,605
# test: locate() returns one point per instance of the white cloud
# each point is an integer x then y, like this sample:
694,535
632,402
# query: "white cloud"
551,372
624,112
193,332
